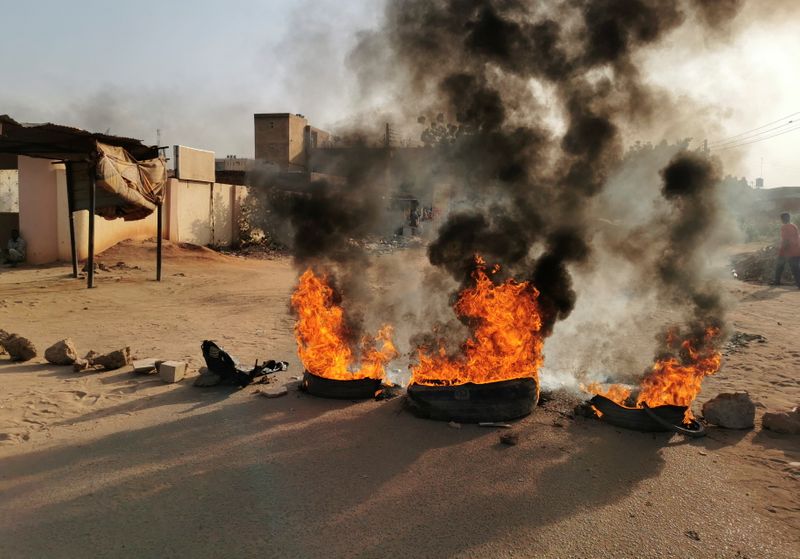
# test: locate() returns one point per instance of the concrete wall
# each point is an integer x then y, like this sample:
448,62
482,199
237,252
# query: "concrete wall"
194,212
194,164
203,213
9,190
38,208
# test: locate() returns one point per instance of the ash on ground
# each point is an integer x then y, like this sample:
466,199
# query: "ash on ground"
740,340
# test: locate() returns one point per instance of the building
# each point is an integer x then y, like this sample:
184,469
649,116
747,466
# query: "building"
285,140
44,179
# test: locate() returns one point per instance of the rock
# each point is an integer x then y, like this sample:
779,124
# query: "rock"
207,378
274,392
80,365
61,353
510,438
783,422
454,425
18,348
114,360
90,355
731,411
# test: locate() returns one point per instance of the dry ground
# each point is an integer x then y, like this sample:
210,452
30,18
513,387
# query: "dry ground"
118,465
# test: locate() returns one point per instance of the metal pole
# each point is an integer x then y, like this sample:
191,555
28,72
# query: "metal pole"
158,241
90,260
71,217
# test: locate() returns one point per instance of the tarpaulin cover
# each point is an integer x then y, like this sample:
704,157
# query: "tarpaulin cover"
139,184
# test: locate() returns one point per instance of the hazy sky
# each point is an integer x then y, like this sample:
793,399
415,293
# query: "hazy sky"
199,70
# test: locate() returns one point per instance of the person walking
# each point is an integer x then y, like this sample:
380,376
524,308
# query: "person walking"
789,251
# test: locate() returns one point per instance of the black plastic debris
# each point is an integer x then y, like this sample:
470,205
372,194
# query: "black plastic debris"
220,364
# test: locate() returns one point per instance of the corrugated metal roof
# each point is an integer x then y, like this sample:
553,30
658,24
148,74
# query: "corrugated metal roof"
57,141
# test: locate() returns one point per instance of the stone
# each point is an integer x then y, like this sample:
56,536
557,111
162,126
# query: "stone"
80,365
18,348
787,423
273,392
207,379
61,353
510,438
172,371
113,360
145,366
454,425
731,411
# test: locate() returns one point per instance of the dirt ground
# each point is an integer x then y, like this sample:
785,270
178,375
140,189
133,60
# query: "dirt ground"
114,464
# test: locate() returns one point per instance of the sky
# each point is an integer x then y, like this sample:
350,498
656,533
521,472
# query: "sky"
199,70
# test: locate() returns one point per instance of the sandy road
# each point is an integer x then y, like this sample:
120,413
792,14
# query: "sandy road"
117,465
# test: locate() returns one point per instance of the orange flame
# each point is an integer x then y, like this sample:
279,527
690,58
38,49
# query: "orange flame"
321,335
505,344
672,381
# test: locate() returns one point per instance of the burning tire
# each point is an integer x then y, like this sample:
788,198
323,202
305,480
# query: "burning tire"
474,403
359,389
658,419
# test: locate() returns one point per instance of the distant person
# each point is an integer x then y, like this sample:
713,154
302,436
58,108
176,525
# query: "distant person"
789,250
16,248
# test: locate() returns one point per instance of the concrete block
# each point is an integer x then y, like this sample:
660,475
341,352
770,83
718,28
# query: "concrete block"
172,371
145,366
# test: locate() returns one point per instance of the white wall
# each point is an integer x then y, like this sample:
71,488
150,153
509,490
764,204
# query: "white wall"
9,191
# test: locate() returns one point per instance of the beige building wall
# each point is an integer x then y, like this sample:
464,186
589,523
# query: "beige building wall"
203,213
194,164
38,208
194,212
279,139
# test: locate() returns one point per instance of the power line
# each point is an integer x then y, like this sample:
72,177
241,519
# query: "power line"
797,127
746,132
753,136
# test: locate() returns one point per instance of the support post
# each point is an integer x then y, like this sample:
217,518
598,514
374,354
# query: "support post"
160,218
71,218
90,259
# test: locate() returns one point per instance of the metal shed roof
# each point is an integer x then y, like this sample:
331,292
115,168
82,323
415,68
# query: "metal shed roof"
56,141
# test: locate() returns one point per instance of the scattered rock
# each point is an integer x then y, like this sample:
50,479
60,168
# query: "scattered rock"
80,365
273,392
61,353
731,411
454,425
783,422
510,438
114,360
693,535
17,347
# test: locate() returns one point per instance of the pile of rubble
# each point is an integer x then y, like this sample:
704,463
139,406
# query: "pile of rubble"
387,245
759,266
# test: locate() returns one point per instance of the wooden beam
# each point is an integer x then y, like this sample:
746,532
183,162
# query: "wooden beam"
159,217
71,218
90,259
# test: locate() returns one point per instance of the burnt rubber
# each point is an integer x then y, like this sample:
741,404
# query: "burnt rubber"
658,419
474,403
696,431
359,389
